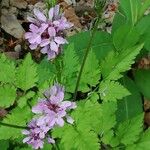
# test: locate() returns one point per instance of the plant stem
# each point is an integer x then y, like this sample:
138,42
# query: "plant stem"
85,56
13,126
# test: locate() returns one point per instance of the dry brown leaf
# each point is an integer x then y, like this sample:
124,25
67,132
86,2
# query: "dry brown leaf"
70,14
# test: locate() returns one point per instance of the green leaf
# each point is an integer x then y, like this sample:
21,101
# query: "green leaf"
108,115
7,70
27,74
143,28
143,143
70,69
7,95
119,63
119,20
142,79
123,37
47,146
128,132
144,7
131,10
23,100
71,138
112,91
4,144
17,117
101,44
91,73
125,107
87,116
45,70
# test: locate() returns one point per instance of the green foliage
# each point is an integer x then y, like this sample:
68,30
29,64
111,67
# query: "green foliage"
90,75
91,72
143,8
142,143
70,69
22,102
7,70
143,28
7,95
17,117
46,71
101,45
130,106
142,79
27,74
130,8
112,91
82,135
123,37
108,121
4,144
117,63
128,132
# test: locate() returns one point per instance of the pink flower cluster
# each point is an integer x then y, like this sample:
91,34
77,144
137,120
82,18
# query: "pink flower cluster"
47,32
51,111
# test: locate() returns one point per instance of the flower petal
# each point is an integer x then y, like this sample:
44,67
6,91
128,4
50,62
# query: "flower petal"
51,31
60,122
51,140
54,47
51,13
60,40
26,139
69,119
44,50
44,42
33,46
39,15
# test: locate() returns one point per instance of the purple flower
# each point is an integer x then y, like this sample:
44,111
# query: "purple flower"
47,32
35,134
51,111
53,108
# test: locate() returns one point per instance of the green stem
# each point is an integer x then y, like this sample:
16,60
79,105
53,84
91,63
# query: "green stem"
13,126
85,56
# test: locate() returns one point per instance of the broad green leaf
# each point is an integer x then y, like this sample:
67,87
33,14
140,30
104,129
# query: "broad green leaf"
23,100
145,5
71,67
112,91
131,10
115,64
91,73
125,37
143,143
142,79
143,28
130,106
87,116
4,144
27,74
101,44
47,146
71,138
46,71
118,21
7,95
7,70
17,117
128,132
108,121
